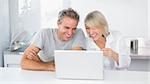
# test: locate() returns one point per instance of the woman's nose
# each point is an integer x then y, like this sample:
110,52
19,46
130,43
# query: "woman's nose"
90,31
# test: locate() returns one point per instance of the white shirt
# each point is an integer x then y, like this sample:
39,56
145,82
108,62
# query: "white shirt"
116,42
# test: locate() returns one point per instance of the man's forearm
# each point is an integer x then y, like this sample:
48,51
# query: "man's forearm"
78,48
36,65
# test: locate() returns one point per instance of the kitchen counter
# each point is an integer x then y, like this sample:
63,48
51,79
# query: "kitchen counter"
13,53
18,76
143,53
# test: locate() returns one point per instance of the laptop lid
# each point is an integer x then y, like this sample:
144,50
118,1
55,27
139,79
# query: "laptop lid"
72,64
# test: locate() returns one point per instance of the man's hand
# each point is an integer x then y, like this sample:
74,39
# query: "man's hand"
31,60
31,53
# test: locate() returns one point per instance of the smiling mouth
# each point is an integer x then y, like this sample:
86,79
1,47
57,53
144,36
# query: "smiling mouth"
68,36
92,36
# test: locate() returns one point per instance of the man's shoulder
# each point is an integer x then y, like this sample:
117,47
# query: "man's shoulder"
79,34
48,30
79,31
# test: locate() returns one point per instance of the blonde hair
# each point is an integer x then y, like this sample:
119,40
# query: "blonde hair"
96,19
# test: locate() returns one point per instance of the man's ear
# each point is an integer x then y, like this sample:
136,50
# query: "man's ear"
57,22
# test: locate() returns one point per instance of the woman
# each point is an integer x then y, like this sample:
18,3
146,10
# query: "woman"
110,42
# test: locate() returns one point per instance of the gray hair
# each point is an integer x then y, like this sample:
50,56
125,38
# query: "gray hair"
69,13
96,19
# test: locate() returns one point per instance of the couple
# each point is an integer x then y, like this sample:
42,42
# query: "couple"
40,54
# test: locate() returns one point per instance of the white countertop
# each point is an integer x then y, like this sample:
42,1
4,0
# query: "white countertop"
18,76
143,53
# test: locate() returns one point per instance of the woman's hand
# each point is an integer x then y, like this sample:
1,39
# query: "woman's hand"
108,52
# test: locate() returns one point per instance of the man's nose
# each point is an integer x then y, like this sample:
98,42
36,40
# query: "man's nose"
70,32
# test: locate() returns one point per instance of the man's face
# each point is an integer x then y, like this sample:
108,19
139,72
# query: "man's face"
67,28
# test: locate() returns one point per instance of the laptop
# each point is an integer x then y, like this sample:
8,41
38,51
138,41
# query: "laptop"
71,64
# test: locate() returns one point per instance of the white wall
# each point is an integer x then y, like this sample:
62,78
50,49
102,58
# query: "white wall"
4,27
126,16
27,22
148,19
49,13
130,17
41,14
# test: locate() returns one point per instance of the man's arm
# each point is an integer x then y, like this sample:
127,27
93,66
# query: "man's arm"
31,61
78,48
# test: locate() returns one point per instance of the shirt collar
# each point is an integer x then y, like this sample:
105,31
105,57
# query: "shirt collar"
109,38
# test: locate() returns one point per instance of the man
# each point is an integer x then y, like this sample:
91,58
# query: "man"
40,54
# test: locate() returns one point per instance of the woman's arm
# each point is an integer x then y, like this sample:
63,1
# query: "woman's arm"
108,52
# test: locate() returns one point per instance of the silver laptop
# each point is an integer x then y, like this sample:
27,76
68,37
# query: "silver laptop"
72,64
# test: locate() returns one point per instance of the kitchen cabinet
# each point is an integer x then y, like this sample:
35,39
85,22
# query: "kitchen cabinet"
12,59
140,61
140,65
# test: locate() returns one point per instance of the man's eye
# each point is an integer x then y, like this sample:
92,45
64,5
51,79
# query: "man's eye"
67,27
87,28
74,28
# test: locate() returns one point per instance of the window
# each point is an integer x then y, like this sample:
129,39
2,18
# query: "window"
24,6
50,10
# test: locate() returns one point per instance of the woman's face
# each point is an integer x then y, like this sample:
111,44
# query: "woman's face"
94,32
